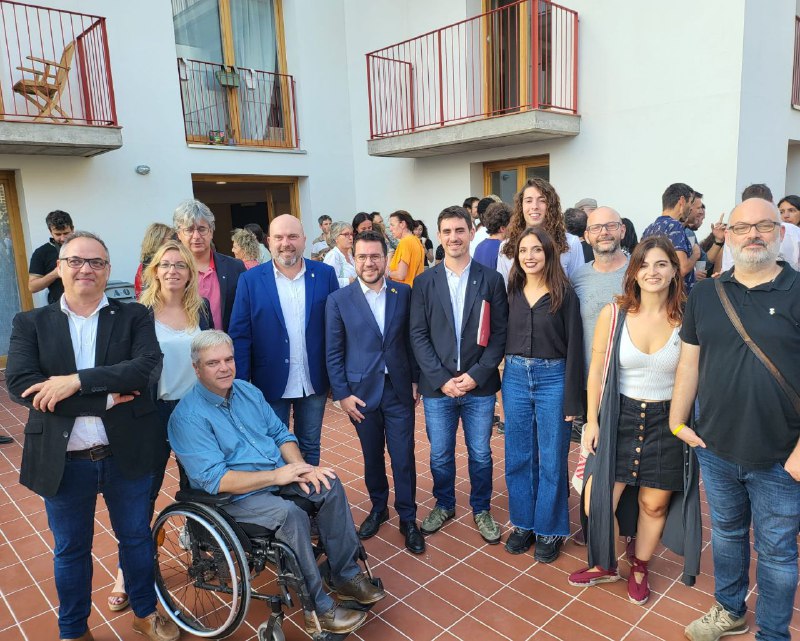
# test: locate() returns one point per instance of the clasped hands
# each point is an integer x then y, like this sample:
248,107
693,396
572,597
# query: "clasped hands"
459,386
305,476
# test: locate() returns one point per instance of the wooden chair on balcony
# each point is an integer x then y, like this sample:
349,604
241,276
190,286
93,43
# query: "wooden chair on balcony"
45,89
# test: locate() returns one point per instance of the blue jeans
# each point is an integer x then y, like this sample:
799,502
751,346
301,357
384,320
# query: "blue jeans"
70,515
537,444
308,413
770,498
441,423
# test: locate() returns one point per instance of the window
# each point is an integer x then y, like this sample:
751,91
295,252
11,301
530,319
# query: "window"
506,177
231,65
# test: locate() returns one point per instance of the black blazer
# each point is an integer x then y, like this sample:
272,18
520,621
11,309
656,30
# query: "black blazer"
358,354
228,272
127,359
433,335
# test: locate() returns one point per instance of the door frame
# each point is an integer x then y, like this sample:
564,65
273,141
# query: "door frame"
292,181
520,164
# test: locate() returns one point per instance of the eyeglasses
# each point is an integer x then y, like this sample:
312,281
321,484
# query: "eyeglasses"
180,266
76,262
762,226
363,258
202,230
348,234
596,229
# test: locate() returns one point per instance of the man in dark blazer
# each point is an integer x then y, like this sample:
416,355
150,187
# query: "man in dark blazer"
83,366
373,375
217,274
459,313
278,332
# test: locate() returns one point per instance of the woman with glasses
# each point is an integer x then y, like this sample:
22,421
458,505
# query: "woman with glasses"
340,257
179,314
635,464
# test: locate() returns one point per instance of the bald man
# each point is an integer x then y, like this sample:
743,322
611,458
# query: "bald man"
747,437
278,332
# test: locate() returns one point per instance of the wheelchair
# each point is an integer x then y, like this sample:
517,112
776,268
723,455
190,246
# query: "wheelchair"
205,562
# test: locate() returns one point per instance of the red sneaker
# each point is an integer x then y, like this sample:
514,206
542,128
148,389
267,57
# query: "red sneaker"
588,577
638,593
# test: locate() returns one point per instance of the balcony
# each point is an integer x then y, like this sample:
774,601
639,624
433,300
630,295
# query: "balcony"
237,107
56,92
505,77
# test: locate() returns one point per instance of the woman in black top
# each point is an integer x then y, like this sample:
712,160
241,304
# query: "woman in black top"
542,387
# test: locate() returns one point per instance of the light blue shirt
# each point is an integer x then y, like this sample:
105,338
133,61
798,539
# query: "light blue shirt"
457,284
211,435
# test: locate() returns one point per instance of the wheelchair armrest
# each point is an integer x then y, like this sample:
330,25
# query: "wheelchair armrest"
201,496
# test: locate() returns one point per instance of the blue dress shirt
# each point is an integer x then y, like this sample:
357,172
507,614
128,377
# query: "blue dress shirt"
211,435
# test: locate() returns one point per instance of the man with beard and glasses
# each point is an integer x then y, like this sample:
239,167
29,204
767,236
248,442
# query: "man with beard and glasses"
746,439
278,332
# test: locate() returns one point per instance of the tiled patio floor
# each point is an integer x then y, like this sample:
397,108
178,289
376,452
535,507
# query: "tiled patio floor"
460,588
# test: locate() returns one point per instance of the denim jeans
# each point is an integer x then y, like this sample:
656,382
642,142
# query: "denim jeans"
70,515
308,413
441,423
770,498
537,444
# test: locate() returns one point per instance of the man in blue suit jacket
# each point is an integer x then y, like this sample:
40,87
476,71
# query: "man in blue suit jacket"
374,376
278,332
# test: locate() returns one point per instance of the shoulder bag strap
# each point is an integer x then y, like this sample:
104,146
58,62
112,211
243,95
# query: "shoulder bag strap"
760,355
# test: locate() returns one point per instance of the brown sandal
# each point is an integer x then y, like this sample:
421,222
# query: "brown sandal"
117,601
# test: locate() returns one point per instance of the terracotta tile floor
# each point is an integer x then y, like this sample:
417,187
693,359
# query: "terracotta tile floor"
459,589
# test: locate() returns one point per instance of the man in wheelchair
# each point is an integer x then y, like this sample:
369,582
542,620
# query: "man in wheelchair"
228,439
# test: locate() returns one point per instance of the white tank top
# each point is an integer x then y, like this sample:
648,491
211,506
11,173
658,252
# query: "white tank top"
648,376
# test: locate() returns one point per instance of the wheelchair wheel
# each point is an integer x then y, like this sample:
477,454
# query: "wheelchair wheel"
276,634
202,574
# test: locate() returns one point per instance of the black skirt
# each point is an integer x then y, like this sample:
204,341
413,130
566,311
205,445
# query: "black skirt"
648,454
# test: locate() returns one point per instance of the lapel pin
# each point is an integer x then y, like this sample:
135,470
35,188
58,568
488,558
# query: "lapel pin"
393,290
111,312
312,275
474,282
772,311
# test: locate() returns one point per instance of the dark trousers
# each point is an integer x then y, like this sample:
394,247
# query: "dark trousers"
390,426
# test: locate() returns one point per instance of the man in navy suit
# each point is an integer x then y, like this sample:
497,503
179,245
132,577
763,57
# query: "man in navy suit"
374,376
278,332
459,314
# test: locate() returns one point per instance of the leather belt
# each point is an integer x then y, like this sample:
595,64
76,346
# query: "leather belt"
97,453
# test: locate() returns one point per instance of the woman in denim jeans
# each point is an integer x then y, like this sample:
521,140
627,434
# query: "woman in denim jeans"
634,448
542,388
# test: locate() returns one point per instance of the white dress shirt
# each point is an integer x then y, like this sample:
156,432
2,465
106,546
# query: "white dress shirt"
458,291
292,296
376,302
88,431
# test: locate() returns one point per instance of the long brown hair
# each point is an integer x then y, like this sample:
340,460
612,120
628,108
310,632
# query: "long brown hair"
153,298
554,276
553,221
631,296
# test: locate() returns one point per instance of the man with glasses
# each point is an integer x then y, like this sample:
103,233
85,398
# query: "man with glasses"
676,204
747,437
83,367
217,274
278,331
374,376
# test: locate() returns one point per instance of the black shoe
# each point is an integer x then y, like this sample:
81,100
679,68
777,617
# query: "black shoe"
4,440
415,542
372,524
519,541
547,548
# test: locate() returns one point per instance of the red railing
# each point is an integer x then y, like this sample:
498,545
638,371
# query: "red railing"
796,69
56,66
519,57
229,105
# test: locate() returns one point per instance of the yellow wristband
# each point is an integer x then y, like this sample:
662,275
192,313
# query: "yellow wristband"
678,429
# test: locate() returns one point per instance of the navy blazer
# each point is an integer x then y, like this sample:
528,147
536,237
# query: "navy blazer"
127,359
258,328
433,334
359,354
228,272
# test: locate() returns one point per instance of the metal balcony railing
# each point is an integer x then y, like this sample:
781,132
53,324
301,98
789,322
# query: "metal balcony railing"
521,56
227,105
54,66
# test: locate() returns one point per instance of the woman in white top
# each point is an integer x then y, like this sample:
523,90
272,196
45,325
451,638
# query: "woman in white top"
538,205
340,257
637,448
179,314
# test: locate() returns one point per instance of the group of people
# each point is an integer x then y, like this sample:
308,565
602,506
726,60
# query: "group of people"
222,360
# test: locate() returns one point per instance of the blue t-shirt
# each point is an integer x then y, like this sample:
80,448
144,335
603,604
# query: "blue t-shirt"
486,252
674,230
